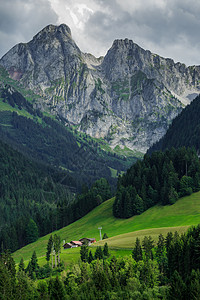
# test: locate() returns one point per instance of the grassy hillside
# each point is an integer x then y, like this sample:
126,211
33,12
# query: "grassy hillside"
185,212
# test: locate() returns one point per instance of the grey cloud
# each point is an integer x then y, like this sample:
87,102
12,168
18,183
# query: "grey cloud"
21,20
171,30
176,26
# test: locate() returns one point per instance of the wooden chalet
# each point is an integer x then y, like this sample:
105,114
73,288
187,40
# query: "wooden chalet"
87,241
67,245
76,243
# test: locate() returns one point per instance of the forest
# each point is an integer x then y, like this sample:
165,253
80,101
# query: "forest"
168,269
35,199
52,141
161,178
184,130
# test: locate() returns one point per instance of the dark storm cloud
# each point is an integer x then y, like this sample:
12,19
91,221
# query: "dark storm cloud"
20,20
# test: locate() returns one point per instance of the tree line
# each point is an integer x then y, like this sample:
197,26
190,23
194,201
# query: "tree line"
35,199
50,141
166,269
186,126
161,178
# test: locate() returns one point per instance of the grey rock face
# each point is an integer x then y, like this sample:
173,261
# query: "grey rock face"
129,97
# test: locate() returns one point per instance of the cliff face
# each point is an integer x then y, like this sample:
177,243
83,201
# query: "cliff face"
129,97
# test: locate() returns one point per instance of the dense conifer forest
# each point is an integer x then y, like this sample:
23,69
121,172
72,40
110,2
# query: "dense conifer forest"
50,141
160,178
168,269
35,199
184,130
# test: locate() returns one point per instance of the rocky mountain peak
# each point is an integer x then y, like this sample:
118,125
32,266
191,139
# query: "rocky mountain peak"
51,31
129,97
123,58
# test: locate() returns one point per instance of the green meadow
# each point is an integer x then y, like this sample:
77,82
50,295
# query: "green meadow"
121,232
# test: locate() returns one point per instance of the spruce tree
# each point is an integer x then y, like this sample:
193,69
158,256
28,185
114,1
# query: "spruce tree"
147,245
56,289
34,261
31,231
57,248
49,248
98,253
105,250
178,287
84,253
90,257
137,250
105,236
21,265
161,253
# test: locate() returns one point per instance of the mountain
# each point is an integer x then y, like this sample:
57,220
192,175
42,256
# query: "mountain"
46,139
184,130
128,97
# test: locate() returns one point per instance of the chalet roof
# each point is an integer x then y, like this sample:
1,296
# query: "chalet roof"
69,244
89,239
76,243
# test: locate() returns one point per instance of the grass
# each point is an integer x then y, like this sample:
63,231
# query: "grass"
113,172
127,240
185,212
4,106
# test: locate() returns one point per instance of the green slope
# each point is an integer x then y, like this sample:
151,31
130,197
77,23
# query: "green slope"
186,211
43,138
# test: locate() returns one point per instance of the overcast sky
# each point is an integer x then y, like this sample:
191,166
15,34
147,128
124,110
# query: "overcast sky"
170,28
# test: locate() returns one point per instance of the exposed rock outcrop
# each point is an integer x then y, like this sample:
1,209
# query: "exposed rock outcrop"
129,97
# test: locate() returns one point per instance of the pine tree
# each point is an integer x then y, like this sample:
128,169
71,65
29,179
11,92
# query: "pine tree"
21,265
105,250
9,264
168,240
31,231
33,266
161,253
138,205
147,245
24,287
137,250
57,248
34,261
178,288
56,289
193,288
90,257
98,253
105,236
49,248
84,253
7,284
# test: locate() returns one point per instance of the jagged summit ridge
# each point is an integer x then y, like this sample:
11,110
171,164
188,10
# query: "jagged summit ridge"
52,30
128,97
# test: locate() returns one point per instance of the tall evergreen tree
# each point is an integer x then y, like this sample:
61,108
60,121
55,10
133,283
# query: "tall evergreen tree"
49,248
98,253
90,257
105,250
57,248
31,231
84,253
147,245
137,250
178,288
21,265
